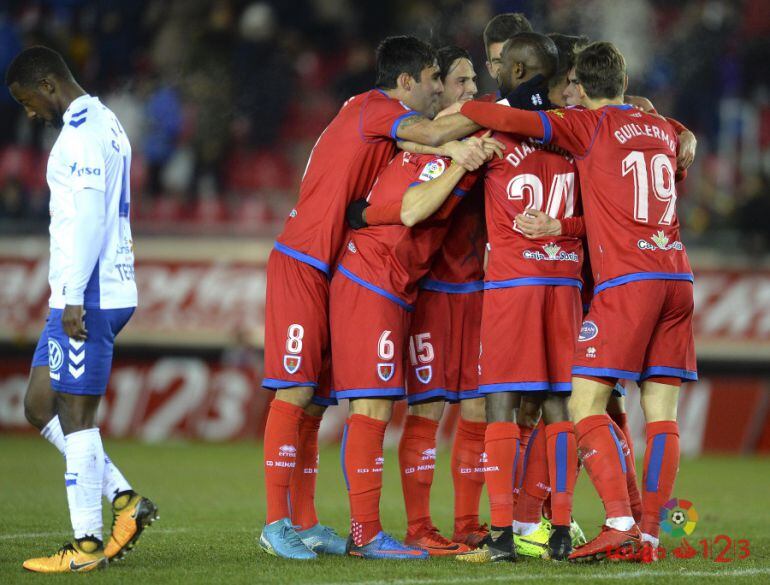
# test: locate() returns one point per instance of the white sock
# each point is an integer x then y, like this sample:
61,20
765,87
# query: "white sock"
525,528
83,479
651,539
113,481
622,523
53,434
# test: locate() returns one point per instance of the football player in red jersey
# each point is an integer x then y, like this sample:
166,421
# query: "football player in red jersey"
372,296
639,325
442,365
343,165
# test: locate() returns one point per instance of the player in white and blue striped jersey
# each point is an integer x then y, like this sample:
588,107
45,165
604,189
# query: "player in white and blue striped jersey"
93,295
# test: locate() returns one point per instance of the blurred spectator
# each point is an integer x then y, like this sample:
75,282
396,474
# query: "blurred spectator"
223,99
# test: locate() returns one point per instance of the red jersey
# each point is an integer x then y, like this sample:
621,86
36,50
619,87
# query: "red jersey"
627,162
530,175
344,163
459,264
391,259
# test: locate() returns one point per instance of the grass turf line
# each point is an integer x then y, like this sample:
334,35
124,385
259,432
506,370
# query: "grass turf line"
211,507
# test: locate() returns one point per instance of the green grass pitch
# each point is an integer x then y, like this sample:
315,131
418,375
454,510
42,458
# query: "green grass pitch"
211,511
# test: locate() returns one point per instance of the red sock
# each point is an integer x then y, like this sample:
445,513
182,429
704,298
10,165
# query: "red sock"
281,440
602,456
524,434
634,497
302,488
562,470
362,464
661,462
417,460
467,477
500,445
535,485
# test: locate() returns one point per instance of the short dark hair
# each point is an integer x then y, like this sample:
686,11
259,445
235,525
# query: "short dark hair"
601,70
402,54
503,26
542,50
447,55
34,64
568,46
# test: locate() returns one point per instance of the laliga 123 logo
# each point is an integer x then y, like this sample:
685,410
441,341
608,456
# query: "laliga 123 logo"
678,518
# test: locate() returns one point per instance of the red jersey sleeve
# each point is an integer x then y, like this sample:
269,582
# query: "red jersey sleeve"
572,129
381,115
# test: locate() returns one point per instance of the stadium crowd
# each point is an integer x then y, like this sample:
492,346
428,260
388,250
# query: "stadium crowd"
223,100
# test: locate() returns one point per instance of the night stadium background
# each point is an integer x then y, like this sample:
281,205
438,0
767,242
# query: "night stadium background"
222,101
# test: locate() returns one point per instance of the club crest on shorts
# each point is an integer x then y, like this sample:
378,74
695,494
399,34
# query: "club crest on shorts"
291,363
55,355
385,371
424,373
588,331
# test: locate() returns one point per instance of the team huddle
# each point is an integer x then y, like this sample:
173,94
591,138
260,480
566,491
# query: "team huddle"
508,256
516,253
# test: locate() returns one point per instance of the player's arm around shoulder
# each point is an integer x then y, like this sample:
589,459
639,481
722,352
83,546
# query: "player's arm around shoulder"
436,182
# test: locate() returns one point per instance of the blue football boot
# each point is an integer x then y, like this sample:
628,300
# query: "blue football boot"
280,539
384,546
322,539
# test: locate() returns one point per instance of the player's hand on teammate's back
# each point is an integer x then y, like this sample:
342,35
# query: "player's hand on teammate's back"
469,153
72,322
492,146
687,146
536,224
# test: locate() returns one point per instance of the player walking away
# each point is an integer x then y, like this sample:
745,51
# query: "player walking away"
343,165
93,295
639,326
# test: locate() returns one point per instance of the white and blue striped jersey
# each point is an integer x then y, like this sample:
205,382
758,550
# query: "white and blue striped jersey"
92,252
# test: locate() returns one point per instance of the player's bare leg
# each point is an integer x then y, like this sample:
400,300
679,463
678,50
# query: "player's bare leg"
363,460
661,458
417,460
131,512
40,399
602,456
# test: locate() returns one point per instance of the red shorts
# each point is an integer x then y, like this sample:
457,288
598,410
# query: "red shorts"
637,330
528,338
297,327
443,352
368,332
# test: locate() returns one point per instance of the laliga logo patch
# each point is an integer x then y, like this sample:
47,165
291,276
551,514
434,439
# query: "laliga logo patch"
385,371
433,169
588,331
291,363
424,374
55,355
